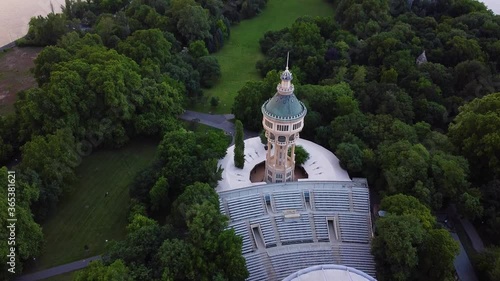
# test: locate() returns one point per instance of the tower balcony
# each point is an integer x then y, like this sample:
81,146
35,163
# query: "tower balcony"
285,90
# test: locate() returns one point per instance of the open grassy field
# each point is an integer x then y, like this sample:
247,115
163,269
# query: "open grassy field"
15,75
87,217
240,53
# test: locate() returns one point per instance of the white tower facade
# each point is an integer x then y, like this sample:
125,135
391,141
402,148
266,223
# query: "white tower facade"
283,119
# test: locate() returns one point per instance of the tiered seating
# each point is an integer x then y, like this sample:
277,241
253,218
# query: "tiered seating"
267,230
288,201
288,263
358,256
354,228
245,207
294,230
241,229
255,266
221,206
332,201
360,199
321,228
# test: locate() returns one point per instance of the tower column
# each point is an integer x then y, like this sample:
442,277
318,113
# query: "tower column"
283,119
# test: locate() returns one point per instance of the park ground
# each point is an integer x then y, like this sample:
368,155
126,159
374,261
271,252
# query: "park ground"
85,216
241,52
15,74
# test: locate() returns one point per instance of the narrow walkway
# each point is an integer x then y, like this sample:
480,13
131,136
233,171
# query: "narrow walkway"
219,121
477,242
462,263
40,275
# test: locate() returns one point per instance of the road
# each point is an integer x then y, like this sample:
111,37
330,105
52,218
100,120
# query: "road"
58,270
477,242
462,263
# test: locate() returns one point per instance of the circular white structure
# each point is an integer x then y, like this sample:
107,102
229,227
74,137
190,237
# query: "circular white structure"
329,272
322,165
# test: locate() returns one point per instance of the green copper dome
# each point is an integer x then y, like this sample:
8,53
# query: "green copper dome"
284,107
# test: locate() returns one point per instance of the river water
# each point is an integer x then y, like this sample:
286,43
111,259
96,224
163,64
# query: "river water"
15,15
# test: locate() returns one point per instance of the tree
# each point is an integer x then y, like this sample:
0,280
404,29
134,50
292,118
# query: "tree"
184,161
488,263
56,169
215,250
194,23
197,49
403,165
436,256
46,60
395,247
450,174
462,49
29,236
195,193
470,204
214,101
401,204
97,271
138,251
252,96
476,133
239,145
350,156
409,245
176,257
45,31
158,194
139,221
209,69
301,155
145,45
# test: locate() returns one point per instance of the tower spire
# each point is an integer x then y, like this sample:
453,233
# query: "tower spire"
287,57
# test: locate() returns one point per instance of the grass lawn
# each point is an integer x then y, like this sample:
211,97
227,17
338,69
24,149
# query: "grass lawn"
240,53
85,216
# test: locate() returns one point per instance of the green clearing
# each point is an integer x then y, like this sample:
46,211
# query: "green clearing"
241,52
85,216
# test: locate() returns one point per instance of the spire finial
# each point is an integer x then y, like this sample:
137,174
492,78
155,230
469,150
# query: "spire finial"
287,57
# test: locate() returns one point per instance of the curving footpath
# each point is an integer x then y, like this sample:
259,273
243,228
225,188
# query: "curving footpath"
219,121
40,275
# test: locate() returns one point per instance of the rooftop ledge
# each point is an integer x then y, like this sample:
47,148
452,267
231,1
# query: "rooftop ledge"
322,165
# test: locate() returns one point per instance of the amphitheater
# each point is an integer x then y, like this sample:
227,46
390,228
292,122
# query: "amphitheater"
313,228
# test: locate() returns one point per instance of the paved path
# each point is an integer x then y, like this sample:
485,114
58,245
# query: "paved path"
477,242
57,270
462,263
219,121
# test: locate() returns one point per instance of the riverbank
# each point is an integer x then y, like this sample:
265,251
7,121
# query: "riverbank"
15,74
7,46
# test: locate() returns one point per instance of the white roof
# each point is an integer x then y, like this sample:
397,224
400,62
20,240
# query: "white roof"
322,165
330,272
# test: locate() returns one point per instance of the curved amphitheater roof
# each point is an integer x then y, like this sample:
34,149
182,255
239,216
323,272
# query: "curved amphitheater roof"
289,226
322,165
329,272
